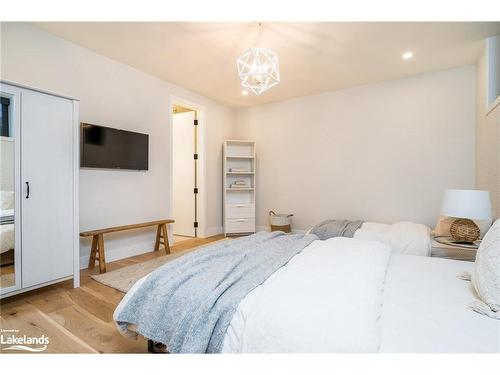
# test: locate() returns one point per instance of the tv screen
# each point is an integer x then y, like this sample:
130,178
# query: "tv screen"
103,147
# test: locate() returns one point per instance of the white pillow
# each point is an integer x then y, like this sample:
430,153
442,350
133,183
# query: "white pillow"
6,200
486,278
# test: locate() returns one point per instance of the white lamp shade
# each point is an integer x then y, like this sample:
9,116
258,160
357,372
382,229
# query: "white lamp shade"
467,204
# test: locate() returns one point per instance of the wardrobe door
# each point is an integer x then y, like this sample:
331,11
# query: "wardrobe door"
47,180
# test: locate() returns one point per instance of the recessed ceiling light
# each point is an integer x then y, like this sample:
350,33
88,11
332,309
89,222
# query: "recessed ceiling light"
244,93
407,55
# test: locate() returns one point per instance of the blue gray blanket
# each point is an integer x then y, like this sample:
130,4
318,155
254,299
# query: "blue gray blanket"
188,303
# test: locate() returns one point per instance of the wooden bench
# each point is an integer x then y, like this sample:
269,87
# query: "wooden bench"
97,249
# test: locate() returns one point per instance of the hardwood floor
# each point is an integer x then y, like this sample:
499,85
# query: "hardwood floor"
79,320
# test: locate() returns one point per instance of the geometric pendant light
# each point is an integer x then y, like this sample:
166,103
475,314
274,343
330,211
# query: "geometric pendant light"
258,69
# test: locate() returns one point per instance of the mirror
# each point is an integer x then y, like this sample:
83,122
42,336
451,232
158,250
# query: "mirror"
7,167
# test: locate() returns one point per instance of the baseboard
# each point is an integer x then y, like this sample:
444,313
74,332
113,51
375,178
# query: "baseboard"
209,232
121,253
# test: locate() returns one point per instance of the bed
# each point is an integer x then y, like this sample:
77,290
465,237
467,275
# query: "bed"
353,295
6,221
6,237
424,311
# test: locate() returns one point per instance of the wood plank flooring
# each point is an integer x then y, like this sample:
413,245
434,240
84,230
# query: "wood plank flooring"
79,320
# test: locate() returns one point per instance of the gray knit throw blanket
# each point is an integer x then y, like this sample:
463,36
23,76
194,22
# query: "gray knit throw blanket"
336,228
187,304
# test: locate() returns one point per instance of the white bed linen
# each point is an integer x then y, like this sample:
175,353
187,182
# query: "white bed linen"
328,298
6,237
6,212
403,237
424,309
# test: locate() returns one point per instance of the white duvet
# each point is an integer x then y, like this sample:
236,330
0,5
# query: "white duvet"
328,298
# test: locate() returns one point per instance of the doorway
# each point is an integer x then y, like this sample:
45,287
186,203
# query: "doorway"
184,172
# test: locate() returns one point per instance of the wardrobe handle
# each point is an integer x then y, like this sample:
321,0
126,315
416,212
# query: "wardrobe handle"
27,189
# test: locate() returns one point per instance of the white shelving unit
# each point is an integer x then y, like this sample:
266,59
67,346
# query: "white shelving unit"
239,200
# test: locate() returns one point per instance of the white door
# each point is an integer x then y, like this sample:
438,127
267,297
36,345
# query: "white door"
183,150
47,172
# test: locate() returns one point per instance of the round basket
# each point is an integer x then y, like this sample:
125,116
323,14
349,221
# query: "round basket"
464,230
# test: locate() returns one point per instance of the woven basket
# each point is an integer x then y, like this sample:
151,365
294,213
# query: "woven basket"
280,222
464,230
283,228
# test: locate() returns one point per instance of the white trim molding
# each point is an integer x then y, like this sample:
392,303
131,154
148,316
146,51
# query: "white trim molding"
209,232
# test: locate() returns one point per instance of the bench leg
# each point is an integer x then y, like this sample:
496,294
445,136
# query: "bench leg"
97,253
165,239
102,259
158,232
162,238
93,252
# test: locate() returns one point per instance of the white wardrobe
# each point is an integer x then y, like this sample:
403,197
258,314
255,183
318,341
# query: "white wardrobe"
43,129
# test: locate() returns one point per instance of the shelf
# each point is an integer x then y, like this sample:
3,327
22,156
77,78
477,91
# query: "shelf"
239,200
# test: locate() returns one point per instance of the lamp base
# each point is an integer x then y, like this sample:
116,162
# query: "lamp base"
464,230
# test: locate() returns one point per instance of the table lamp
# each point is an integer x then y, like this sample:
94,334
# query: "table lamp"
465,206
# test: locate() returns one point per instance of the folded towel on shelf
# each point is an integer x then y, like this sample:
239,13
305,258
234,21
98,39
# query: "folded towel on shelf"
239,184
243,170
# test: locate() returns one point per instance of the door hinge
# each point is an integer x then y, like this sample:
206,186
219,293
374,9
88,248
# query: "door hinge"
196,190
196,224
195,156
195,122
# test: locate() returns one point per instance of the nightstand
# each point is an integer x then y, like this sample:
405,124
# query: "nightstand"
457,252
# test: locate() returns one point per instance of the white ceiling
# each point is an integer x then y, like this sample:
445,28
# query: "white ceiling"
314,57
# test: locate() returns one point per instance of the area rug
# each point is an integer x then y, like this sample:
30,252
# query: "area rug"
123,278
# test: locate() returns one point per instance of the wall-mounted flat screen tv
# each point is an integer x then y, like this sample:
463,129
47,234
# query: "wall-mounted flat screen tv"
103,147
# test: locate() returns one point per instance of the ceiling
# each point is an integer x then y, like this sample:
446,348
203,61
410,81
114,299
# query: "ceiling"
314,57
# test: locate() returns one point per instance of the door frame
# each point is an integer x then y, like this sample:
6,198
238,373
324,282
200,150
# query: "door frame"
15,93
201,175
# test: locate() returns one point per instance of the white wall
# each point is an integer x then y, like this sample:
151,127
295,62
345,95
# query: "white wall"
116,95
381,152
